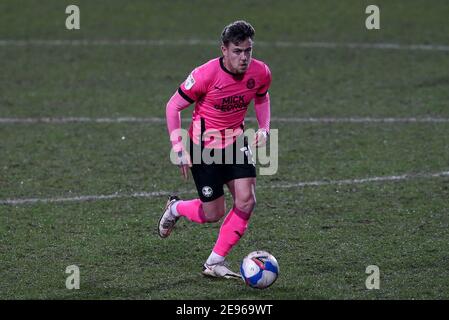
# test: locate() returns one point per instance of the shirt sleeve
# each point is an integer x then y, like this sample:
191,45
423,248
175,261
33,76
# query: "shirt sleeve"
194,87
262,107
173,114
266,82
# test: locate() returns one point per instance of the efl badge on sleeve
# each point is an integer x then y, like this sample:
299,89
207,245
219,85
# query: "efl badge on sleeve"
190,81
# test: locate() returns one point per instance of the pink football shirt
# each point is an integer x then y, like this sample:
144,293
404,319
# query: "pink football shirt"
221,99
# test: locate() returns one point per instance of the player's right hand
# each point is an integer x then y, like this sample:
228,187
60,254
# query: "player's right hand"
184,163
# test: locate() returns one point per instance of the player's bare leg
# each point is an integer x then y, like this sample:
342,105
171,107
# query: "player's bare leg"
214,210
243,193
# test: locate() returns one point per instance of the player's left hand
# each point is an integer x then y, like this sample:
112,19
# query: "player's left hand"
260,138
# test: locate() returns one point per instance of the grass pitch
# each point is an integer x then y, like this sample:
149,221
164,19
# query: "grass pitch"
323,236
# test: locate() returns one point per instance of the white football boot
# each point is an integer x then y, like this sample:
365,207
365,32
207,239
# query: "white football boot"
219,270
167,220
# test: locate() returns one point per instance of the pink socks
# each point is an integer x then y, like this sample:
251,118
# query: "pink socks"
191,209
232,229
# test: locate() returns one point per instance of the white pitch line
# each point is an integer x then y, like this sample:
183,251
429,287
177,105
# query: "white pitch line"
359,120
363,180
166,193
196,42
86,198
64,120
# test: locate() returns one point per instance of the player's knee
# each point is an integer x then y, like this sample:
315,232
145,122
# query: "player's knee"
247,204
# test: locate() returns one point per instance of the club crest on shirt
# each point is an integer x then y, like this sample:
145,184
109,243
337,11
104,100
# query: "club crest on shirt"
190,81
250,83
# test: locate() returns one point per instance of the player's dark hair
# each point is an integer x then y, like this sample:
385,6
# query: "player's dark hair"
237,32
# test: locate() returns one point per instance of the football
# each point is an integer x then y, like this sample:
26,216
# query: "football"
259,269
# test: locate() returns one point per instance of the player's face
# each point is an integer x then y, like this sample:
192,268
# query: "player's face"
237,57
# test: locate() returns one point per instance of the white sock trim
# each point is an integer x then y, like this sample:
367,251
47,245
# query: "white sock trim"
214,259
173,208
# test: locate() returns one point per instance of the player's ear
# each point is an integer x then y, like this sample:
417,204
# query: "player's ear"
224,50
